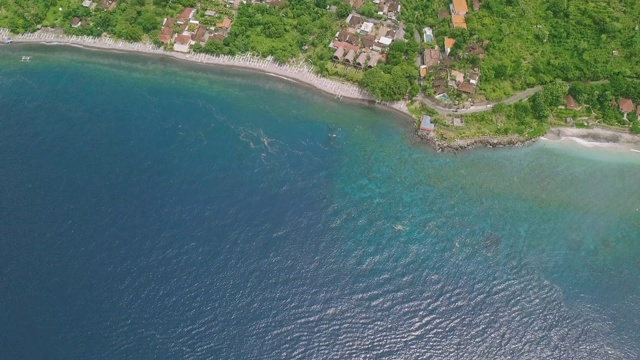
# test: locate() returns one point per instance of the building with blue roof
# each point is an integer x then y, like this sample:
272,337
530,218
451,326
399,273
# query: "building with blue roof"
426,124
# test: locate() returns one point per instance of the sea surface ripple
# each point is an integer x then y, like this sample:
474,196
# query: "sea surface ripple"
151,209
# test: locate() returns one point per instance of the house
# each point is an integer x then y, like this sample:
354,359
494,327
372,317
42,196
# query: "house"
373,60
466,88
476,5
448,45
431,57
75,22
457,76
186,15
570,103
166,33
626,106
458,21
426,124
393,10
338,54
443,14
473,78
459,7
87,3
182,43
366,27
427,34
422,71
368,41
351,55
362,60
347,36
354,20
225,24
439,90
439,82
209,13
337,44
200,35
358,4
384,41
107,4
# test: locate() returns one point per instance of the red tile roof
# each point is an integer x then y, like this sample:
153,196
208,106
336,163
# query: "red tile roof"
336,44
183,39
460,6
570,102
225,24
466,88
626,105
185,15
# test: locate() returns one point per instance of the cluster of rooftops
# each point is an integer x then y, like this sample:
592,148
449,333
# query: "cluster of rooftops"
361,41
190,31
437,61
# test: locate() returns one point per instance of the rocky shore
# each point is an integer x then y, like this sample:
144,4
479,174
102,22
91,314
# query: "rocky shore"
464,144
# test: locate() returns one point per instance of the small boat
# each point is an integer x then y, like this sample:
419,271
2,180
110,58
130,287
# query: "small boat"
26,59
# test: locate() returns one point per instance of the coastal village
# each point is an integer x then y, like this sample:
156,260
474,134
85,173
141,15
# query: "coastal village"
448,74
362,42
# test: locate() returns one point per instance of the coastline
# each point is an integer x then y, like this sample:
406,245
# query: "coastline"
303,75
600,138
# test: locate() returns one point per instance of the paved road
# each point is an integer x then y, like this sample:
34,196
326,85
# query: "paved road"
478,108
484,107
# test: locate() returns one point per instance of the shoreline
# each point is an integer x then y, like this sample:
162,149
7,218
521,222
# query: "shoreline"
303,75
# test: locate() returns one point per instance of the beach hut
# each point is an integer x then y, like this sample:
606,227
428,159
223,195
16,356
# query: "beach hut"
373,60
337,56
362,59
350,57
426,124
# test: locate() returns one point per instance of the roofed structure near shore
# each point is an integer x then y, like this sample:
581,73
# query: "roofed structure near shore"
362,60
426,124
459,7
626,105
373,61
350,57
570,103
431,57
338,54
458,21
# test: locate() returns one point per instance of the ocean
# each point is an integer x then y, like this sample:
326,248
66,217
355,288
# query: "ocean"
153,209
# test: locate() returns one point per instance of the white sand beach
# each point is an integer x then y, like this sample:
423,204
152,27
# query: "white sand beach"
596,138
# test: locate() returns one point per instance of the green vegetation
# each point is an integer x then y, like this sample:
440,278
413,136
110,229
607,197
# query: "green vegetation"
516,44
283,33
533,42
396,78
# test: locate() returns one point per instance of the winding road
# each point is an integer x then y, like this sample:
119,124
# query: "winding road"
478,108
487,106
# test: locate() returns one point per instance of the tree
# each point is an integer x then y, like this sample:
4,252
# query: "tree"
148,21
375,82
539,107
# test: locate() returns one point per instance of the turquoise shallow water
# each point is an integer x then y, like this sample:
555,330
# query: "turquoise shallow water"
152,209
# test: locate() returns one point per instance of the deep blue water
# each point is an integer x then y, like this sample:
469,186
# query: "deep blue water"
152,209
